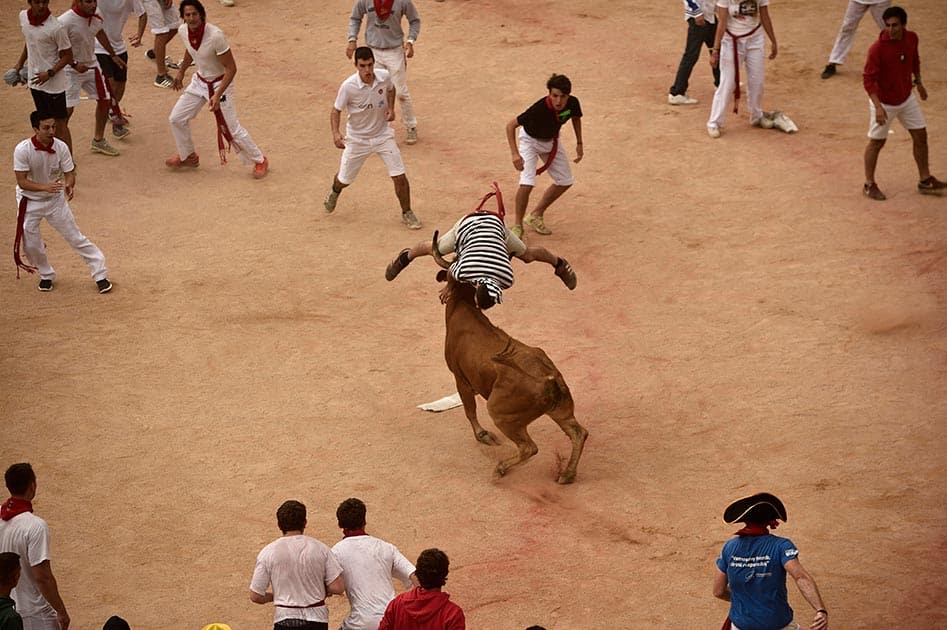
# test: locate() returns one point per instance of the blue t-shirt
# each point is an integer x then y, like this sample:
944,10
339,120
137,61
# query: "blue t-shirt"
755,571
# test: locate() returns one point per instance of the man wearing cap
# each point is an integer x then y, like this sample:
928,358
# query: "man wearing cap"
752,568
484,246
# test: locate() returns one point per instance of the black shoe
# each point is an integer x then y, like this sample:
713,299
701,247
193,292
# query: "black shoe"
150,53
829,71
45,285
104,285
397,265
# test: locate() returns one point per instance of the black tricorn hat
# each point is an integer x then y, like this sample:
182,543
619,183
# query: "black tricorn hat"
115,623
759,508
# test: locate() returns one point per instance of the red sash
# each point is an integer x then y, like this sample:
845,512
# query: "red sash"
501,211
736,67
555,142
223,131
20,216
106,101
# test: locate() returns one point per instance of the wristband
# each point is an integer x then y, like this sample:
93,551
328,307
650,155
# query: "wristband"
51,72
823,611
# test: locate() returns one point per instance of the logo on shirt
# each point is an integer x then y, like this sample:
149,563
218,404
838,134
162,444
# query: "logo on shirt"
791,553
748,7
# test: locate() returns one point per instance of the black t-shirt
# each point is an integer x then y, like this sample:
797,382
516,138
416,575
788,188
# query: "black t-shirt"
543,123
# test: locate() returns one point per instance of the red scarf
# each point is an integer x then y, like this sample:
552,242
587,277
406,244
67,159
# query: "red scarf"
346,533
383,8
757,529
13,506
195,37
88,16
42,147
37,20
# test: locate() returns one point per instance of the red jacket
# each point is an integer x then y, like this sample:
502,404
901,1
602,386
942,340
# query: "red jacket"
419,609
890,66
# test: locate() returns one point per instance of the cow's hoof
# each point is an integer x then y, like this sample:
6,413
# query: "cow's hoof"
566,477
488,438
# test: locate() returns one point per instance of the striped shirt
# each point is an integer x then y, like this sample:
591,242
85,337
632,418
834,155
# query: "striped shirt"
484,246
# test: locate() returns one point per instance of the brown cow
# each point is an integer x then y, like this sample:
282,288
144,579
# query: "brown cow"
519,382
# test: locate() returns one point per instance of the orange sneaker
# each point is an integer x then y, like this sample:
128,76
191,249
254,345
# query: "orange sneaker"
192,160
260,168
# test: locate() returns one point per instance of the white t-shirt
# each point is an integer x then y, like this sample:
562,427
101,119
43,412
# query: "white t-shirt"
367,106
115,14
213,44
27,535
369,564
43,44
42,167
82,33
298,568
744,15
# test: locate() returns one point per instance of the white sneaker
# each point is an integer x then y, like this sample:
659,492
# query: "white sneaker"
227,3
412,137
331,198
681,99
713,132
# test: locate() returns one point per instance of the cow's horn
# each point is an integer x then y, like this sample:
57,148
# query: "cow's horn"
437,254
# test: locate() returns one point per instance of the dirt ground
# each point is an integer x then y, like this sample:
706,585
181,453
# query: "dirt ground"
745,321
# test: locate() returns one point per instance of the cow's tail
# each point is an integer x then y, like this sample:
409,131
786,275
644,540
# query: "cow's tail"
551,386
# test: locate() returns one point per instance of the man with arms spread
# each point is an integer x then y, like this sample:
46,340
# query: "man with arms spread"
45,182
425,607
114,15
369,99
539,138
752,568
846,34
22,532
892,60
484,247
212,83
48,51
84,26
301,572
384,35
369,564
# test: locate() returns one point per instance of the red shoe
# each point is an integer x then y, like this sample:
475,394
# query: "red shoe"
260,168
192,160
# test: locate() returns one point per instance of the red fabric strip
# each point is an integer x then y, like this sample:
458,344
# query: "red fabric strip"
88,16
39,146
20,217
223,132
353,532
195,37
13,506
383,8
736,67
37,20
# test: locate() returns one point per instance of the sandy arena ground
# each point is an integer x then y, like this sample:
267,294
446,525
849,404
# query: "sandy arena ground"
745,320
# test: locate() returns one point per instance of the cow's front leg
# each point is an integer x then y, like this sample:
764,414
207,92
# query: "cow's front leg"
469,398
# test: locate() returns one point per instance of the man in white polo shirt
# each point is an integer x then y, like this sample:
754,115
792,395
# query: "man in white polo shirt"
49,51
207,47
369,99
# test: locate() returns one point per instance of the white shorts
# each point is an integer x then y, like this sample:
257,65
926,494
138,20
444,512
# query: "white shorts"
531,149
161,19
909,113
792,626
357,151
92,82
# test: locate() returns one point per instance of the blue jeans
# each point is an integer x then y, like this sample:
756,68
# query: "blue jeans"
696,36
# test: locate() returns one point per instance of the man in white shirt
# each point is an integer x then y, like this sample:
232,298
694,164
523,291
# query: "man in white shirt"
296,573
369,565
48,52
369,100
846,33
45,182
22,532
212,83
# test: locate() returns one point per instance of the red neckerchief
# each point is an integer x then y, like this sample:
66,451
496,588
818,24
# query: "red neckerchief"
42,147
383,8
347,533
13,506
195,37
37,20
757,529
88,16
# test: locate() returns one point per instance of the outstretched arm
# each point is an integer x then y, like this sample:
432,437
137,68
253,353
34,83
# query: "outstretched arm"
810,591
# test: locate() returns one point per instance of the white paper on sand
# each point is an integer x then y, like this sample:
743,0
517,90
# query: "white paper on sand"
443,404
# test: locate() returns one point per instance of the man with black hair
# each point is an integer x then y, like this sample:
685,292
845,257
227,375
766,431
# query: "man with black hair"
539,138
9,575
425,607
752,568
296,573
484,247
369,565
22,532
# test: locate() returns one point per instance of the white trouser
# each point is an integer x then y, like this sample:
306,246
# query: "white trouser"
531,149
846,33
357,151
41,622
57,213
394,61
194,98
752,57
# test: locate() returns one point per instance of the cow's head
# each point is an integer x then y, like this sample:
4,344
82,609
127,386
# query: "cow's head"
477,294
